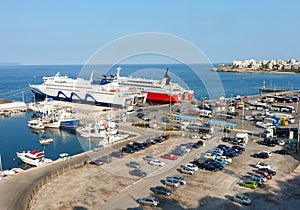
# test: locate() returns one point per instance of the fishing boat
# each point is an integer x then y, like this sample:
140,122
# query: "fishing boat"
33,157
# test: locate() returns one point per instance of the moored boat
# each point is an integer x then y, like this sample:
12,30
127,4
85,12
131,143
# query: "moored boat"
33,157
44,141
36,124
105,92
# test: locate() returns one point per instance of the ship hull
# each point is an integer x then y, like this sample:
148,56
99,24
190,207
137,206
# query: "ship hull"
166,98
107,100
72,123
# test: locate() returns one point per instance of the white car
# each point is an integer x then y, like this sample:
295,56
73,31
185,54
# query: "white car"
206,136
281,142
227,159
186,170
156,162
191,166
261,165
269,153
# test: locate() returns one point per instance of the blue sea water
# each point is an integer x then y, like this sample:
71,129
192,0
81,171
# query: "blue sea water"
14,80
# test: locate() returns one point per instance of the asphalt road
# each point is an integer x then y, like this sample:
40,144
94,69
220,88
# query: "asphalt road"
16,190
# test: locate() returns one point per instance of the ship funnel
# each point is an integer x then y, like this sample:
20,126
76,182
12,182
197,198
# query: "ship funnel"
91,77
118,72
166,79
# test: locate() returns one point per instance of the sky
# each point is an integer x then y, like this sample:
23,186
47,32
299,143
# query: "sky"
71,31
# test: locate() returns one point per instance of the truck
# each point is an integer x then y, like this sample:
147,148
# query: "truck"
242,139
285,132
205,113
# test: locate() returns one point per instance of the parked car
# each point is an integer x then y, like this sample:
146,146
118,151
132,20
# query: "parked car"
263,155
148,157
262,165
150,141
197,144
250,184
133,164
117,154
191,166
156,162
138,172
269,171
223,147
206,136
97,162
238,147
242,199
281,142
282,152
264,173
180,179
186,170
161,190
142,116
170,156
227,159
226,139
259,176
150,201
208,166
259,181
171,182
105,158
193,136
165,119
127,150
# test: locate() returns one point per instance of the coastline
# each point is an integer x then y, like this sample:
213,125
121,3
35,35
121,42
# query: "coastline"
246,70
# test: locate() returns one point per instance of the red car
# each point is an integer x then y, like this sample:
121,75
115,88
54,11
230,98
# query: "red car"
169,157
166,137
265,174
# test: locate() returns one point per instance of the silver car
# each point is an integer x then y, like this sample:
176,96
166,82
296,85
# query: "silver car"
150,201
242,199
180,179
171,182
133,164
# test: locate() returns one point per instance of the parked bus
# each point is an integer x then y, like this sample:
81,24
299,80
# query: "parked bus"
282,108
258,106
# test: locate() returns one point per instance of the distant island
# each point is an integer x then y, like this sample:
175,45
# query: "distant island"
9,64
277,66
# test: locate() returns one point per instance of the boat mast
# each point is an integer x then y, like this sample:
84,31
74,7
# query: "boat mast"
1,173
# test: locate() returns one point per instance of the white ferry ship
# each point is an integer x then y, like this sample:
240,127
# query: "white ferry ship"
106,92
159,91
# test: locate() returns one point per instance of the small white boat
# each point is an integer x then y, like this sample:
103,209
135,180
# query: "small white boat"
52,124
33,157
44,141
36,124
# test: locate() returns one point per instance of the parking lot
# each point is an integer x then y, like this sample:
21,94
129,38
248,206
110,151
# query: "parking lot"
110,186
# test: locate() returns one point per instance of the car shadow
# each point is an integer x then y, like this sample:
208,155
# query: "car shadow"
229,197
252,165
